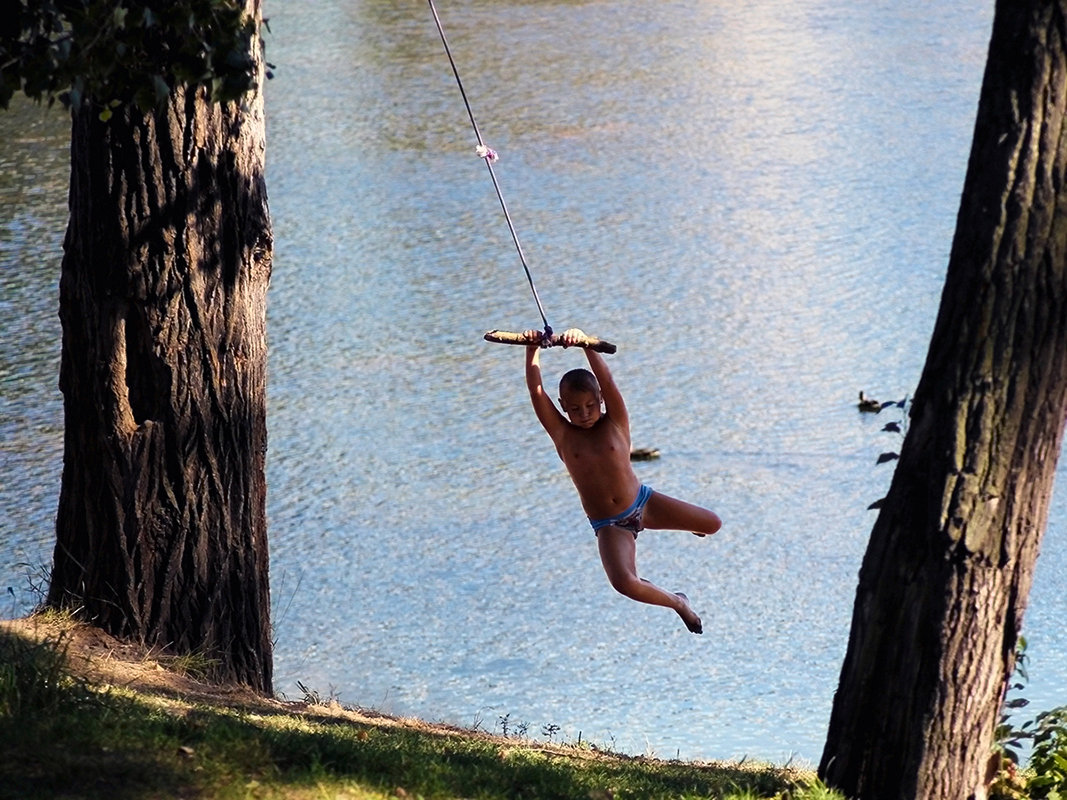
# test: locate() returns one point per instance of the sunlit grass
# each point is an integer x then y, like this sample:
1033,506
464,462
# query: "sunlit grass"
62,737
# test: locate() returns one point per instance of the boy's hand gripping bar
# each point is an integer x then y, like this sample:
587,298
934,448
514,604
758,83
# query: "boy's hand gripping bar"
552,340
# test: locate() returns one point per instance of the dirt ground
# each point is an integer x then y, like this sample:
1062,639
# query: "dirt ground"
104,660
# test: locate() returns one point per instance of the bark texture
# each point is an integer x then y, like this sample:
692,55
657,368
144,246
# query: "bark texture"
948,569
161,528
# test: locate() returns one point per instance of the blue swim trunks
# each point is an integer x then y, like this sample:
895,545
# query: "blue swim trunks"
631,518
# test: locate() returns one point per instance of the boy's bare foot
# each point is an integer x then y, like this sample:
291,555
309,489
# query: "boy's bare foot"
689,617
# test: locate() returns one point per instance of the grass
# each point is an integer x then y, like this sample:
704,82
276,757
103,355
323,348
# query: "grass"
64,736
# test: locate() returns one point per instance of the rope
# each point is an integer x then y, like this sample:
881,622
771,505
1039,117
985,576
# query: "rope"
489,156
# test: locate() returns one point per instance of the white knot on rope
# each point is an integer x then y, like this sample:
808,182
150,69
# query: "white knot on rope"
487,153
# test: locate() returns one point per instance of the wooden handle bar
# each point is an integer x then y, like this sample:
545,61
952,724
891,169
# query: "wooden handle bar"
555,340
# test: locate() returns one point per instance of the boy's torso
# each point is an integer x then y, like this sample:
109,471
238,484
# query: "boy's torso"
598,460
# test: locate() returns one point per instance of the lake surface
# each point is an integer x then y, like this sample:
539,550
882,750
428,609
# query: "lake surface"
755,201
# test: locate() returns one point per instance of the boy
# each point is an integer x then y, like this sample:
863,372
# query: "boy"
594,445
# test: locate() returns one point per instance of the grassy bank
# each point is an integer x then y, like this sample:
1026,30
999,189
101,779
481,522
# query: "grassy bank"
83,716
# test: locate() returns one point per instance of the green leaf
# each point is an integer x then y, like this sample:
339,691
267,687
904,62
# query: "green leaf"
90,50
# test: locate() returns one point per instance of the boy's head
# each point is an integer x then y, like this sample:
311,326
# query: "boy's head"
579,397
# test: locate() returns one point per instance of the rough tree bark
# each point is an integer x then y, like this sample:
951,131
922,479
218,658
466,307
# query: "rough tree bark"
948,569
161,528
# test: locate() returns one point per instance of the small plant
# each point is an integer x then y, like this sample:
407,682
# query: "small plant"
1045,776
36,589
1008,782
313,698
813,789
898,427
1047,772
506,727
550,731
198,666
1009,741
34,678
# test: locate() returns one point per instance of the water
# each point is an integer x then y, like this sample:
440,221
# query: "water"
756,203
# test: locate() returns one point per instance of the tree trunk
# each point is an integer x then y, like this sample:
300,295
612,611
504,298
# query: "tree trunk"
948,569
161,528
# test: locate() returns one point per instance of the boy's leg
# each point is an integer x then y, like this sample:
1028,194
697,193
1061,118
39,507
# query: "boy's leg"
664,512
618,554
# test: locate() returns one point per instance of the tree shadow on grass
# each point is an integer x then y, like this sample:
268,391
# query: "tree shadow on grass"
61,737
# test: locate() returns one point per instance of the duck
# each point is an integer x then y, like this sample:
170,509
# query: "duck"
868,404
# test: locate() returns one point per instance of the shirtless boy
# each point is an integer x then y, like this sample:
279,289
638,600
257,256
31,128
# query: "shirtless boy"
594,445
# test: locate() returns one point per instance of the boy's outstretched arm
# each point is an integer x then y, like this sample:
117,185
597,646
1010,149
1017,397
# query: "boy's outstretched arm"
547,413
613,402
609,391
